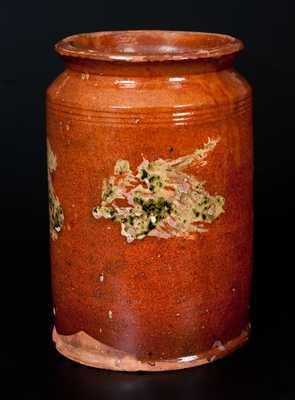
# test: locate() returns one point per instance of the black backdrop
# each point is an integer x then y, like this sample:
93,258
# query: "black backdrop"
28,64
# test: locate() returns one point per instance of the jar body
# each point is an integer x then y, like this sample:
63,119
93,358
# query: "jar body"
164,297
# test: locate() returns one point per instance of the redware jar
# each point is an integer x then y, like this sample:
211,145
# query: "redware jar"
150,192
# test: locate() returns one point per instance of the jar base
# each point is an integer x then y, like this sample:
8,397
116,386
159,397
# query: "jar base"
85,350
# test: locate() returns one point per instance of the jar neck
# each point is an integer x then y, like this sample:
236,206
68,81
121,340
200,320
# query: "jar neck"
149,69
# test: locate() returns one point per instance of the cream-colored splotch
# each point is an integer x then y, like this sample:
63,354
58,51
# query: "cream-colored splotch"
163,200
56,215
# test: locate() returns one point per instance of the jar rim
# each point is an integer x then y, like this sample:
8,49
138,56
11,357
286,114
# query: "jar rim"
148,45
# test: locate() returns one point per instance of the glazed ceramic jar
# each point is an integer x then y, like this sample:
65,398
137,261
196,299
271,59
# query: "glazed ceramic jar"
150,195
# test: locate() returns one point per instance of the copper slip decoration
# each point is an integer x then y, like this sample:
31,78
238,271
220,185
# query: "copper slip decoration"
150,197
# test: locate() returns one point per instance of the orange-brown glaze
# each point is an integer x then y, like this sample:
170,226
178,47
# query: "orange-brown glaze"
83,349
158,298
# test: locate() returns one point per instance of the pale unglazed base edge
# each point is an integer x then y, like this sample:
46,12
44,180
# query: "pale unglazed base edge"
85,350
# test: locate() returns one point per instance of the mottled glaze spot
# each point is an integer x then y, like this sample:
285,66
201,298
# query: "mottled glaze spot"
163,200
56,215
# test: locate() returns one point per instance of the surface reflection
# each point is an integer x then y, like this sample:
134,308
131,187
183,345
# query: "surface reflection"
235,377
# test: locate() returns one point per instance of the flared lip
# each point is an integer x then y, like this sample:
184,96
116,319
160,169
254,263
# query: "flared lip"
148,45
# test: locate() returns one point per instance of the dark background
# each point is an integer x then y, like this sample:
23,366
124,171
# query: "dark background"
30,368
